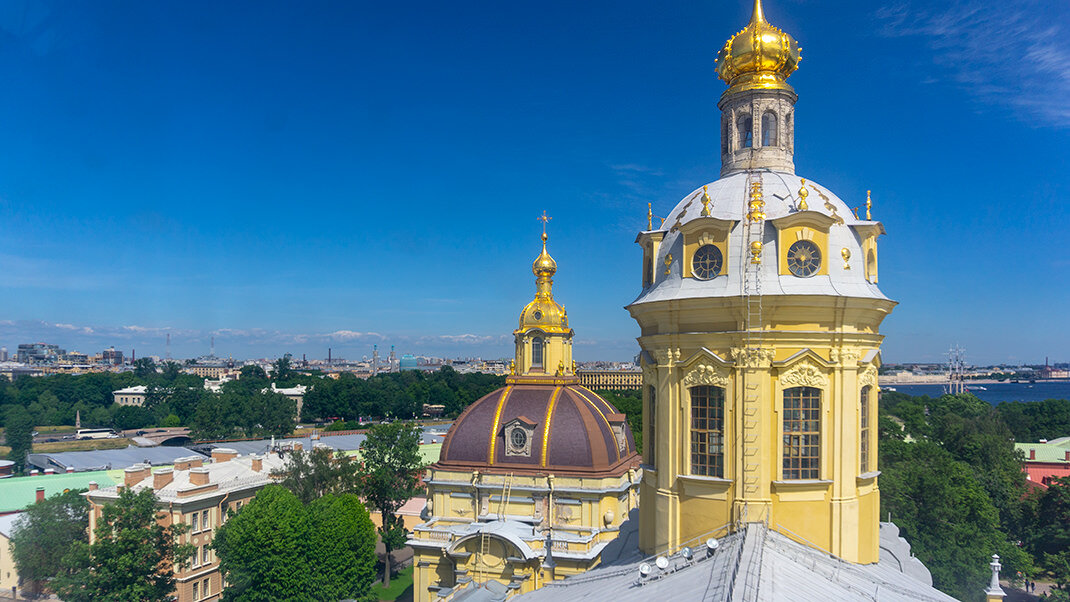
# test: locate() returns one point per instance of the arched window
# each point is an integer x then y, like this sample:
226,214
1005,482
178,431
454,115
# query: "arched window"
652,443
707,431
871,266
648,270
802,433
863,433
536,352
769,131
746,131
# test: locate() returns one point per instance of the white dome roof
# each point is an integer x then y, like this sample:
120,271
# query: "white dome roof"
780,190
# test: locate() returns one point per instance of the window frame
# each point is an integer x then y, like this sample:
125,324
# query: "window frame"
745,131
801,433
706,431
538,352
864,417
767,139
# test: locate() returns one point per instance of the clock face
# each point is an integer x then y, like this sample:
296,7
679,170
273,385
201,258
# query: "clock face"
707,262
804,258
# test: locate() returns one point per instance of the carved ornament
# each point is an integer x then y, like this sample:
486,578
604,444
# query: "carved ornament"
845,355
869,376
705,374
752,358
667,357
804,374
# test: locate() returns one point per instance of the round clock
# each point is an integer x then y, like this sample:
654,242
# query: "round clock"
707,262
804,258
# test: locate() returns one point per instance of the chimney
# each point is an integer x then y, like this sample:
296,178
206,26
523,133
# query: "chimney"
49,471
1067,455
40,494
162,477
135,474
258,463
198,476
196,462
223,454
70,470
92,485
34,472
1032,454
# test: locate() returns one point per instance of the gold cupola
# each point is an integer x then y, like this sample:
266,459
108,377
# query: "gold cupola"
759,57
543,338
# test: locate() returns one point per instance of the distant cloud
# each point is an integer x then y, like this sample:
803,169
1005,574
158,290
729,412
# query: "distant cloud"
1015,54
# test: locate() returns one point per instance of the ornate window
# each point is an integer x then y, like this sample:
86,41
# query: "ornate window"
707,431
802,435
863,442
746,131
707,262
769,129
652,443
518,435
536,352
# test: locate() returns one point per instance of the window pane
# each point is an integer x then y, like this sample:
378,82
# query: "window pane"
802,437
707,429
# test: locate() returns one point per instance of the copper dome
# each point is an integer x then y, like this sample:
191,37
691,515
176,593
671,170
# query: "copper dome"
566,429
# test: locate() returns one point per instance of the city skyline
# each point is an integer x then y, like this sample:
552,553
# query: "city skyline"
240,173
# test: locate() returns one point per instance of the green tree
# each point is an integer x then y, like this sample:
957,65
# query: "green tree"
18,433
252,372
392,461
132,557
45,532
171,371
261,549
313,474
280,548
144,367
282,370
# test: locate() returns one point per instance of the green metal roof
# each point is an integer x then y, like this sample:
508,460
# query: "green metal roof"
17,493
1052,451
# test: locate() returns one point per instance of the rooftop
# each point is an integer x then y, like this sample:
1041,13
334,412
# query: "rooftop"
17,493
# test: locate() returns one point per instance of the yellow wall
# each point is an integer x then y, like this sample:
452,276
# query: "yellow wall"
9,577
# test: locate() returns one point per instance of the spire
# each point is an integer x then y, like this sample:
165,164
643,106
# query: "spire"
757,16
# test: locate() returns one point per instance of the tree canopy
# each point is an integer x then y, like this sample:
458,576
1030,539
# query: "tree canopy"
313,474
132,557
279,548
45,532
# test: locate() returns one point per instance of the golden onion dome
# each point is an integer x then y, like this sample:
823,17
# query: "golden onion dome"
759,57
544,265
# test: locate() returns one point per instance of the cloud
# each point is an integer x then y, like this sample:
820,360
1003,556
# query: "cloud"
1014,54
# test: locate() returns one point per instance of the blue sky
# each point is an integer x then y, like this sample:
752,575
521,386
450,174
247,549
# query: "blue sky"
290,177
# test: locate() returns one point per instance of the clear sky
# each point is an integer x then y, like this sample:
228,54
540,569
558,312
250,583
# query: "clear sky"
293,176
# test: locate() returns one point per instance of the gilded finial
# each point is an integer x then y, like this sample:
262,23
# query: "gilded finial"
756,252
705,201
869,206
846,254
803,193
649,217
544,219
757,203
855,211
757,16
668,262
512,367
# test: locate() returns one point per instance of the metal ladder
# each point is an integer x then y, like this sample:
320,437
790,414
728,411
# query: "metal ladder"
484,539
750,258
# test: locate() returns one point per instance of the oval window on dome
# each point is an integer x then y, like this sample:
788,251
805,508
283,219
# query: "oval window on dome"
519,438
804,258
707,262
538,315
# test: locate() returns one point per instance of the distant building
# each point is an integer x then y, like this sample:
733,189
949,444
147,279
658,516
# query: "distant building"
409,362
214,371
111,356
9,575
130,396
296,393
39,353
1046,460
197,494
433,410
614,380
3,354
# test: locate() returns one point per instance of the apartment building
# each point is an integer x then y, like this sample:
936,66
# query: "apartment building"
198,494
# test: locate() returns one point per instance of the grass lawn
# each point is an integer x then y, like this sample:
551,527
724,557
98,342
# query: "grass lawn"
398,586
74,445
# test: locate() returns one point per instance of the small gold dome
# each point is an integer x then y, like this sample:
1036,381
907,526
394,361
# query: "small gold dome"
759,57
544,264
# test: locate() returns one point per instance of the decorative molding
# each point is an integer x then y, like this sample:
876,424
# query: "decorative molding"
845,355
752,358
705,374
869,376
804,374
667,357
650,375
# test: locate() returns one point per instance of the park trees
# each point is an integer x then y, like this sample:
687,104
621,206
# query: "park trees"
132,557
45,532
392,463
280,548
18,433
313,474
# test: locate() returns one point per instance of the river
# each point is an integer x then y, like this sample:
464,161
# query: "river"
994,393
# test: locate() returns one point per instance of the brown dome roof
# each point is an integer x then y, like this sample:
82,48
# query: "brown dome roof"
579,429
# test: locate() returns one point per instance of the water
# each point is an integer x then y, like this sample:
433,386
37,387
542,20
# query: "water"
996,392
